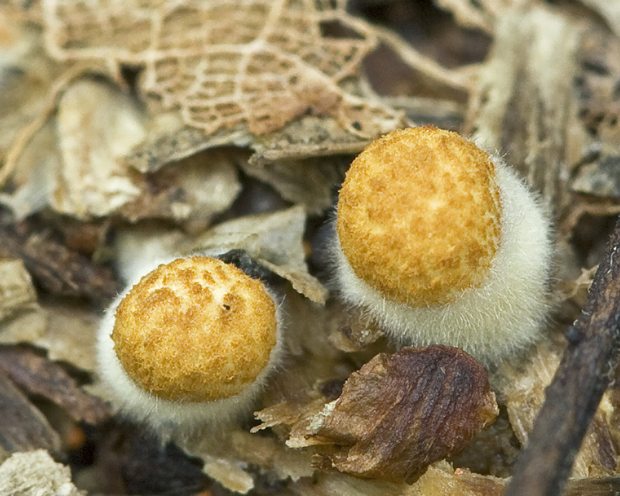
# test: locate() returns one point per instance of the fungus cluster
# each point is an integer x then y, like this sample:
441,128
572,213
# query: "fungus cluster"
443,244
437,239
192,341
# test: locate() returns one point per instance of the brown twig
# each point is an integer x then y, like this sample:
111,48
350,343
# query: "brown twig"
578,385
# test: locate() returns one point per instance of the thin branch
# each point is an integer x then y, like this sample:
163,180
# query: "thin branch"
579,383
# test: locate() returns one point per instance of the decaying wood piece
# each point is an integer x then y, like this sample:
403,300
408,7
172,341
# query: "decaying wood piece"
582,377
597,87
607,486
523,392
525,107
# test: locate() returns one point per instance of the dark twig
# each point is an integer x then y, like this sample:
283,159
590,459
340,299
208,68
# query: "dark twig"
578,385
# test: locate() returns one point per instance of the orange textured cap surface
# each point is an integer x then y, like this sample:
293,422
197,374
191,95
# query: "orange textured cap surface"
196,329
419,215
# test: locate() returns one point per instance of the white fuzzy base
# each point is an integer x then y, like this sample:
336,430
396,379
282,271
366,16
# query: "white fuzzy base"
164,416
490,322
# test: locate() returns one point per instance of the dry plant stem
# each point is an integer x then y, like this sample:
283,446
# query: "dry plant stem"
580,381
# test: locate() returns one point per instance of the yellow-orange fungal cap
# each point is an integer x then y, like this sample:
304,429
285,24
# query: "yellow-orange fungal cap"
196,329
419,215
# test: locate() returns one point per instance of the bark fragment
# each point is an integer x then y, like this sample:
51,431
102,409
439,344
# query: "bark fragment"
37,375
23,427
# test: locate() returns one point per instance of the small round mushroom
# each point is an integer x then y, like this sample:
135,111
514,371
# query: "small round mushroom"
443,244
192,342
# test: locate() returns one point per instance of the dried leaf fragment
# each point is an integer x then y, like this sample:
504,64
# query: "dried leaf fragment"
21,317
259,63
307,182
26,72
274,240
191,191
439,480
97,126
403,411
17,294
442,480
232,457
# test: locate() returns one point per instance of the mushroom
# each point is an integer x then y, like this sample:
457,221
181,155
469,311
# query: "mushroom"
443,244
192,342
